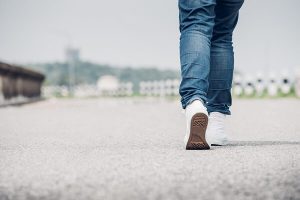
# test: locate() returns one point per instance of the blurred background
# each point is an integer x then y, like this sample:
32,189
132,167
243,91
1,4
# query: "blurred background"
91,48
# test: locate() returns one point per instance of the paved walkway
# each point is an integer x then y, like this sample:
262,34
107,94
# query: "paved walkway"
133,149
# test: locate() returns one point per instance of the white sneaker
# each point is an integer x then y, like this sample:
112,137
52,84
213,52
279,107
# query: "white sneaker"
196,123
216,134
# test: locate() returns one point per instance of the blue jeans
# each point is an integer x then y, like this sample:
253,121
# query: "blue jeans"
206,52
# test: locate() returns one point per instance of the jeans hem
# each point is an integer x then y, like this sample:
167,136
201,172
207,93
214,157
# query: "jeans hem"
200,97
226,112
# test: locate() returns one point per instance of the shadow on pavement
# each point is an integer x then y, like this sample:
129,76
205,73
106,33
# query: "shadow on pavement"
262,143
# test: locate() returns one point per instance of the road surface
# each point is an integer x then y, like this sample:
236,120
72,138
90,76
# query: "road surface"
127,148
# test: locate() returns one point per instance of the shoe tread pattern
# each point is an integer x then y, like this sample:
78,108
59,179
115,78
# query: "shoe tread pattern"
198,127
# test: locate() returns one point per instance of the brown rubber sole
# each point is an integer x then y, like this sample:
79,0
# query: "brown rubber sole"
197,139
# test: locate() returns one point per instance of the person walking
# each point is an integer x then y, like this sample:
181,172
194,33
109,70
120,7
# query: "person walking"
207,63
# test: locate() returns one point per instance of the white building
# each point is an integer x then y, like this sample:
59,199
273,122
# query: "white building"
125,89
108,85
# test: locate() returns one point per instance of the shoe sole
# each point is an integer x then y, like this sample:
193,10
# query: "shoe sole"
197,139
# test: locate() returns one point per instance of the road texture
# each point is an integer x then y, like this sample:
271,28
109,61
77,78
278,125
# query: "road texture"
133,149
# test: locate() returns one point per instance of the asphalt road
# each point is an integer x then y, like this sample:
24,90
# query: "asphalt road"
133,149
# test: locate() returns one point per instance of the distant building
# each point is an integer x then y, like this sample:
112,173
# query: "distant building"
72,58
19,84
108,85
125,89
72,55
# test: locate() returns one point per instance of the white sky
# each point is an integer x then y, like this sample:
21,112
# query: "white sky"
141,32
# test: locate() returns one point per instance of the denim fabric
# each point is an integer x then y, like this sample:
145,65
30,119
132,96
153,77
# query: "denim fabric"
206,51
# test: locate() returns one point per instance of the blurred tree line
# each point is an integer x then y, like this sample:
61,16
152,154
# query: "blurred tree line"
88,73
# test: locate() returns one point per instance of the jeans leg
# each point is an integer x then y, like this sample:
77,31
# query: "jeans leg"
222,57
196,19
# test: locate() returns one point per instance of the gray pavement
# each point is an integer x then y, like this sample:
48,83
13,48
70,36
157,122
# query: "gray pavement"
133,149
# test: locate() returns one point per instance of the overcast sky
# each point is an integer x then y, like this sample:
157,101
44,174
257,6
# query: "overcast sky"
141,32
